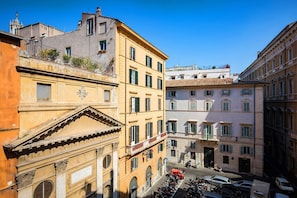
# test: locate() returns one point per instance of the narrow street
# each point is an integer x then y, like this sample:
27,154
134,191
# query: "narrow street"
191,173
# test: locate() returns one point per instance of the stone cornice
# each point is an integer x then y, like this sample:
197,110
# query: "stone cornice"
36,139
22,69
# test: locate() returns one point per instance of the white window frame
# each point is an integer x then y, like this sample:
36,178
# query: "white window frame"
226,130
208,105
134,133
147,104
149,130
172,126
43,92
134,163
226,148
133,75
132,53
135,104
192,127
246,131
226,105
106,95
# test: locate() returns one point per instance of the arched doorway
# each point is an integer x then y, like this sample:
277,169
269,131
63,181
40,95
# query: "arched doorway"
133,188
107,193
148,176
160,169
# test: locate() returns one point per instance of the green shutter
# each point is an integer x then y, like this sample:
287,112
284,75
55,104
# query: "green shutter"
130,76
130,135
136,77
137,105
136,134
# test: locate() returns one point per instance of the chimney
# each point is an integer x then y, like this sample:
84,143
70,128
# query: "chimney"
98,12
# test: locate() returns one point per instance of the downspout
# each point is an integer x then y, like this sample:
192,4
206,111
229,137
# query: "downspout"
125,100
254,121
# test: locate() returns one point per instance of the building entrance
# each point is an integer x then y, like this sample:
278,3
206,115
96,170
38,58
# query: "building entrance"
244,165
208,157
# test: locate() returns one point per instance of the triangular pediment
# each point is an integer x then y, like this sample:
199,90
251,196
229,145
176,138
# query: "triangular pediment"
78,124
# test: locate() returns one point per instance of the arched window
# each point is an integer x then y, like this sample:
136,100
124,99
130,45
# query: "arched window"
160,167
43,190
148,176
133,188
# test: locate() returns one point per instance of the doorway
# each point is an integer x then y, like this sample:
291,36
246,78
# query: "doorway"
244,165
208,157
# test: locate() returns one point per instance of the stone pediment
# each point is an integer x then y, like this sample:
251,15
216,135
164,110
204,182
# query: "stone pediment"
76,125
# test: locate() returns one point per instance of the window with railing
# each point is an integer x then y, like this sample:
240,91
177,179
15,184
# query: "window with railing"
208,131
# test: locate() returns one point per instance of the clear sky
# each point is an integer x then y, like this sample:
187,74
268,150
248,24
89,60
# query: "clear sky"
202,32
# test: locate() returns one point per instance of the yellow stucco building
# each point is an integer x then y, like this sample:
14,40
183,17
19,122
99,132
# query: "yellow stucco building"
140,67
68,137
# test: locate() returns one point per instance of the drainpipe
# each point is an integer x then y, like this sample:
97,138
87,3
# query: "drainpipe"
125,102
254,121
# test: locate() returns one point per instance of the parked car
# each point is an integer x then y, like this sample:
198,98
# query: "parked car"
229,190
217,180
211,195
280,195
244,185
283,184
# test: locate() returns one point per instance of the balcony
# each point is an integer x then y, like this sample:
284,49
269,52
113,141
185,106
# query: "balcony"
134,149
199,136
208,137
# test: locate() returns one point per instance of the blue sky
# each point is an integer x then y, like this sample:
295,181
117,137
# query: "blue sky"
202,32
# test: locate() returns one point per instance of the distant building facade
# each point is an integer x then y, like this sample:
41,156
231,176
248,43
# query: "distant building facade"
276,64
10,47
214,122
